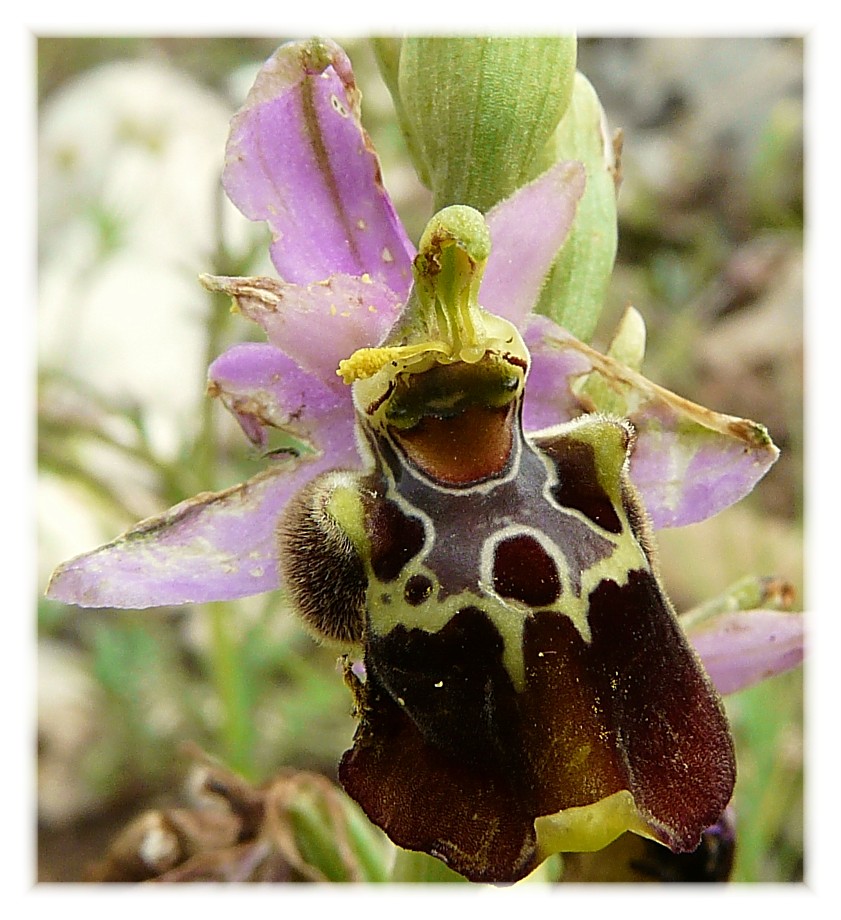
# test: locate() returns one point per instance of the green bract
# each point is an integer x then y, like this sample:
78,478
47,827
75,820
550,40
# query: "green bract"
575,290
477,112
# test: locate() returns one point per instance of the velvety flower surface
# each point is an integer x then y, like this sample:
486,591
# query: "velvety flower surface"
299,159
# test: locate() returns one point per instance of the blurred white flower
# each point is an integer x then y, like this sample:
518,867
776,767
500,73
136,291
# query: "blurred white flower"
70,728
129,164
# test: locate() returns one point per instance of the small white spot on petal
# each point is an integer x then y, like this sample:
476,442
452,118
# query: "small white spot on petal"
361,224
386,255
338,106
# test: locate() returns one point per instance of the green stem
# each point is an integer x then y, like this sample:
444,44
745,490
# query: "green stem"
230,676
231,684
368,847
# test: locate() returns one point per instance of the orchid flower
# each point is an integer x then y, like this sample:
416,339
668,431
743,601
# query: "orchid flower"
471,518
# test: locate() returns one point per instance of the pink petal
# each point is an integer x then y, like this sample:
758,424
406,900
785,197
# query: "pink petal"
742,648
298,158
549,398
214,546
263,388
528,230
316,324
689,462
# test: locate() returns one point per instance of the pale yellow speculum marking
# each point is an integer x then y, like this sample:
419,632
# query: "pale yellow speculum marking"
508,617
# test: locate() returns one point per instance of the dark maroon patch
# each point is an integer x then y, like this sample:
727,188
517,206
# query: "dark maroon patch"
524,571
418,589
516,360
450,760
395,538
578,484
467,815
453,685
673,724
637,697
436,760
